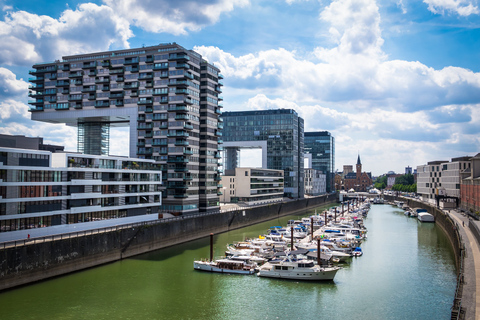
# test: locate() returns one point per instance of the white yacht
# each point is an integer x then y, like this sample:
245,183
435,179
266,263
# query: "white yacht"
297,270
225,266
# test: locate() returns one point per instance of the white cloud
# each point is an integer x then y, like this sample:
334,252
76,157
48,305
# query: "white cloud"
173,16
10,86
355,74
460,7
29,38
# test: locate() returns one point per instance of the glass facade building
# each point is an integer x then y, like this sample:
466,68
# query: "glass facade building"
321,145
282,130
167,95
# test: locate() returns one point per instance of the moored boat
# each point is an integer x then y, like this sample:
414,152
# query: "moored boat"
225,266
297,270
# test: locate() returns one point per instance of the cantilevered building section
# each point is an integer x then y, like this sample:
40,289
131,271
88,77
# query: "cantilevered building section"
167,95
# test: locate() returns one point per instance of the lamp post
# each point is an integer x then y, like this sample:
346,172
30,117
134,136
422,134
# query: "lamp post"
224,194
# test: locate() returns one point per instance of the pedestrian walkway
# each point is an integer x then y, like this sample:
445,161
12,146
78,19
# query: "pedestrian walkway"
471,267
76,227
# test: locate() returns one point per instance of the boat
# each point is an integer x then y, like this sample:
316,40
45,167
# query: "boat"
425,217
297,270
357,252
225,266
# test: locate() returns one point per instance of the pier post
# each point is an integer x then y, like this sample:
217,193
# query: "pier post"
335,214
311,226
319,260
291,238
211,246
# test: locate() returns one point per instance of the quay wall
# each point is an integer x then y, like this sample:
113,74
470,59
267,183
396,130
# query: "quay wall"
464,303
39,259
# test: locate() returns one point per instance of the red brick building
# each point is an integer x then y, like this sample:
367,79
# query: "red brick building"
358,181
470,186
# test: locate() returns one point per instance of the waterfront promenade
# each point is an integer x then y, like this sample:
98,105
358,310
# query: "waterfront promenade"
471,292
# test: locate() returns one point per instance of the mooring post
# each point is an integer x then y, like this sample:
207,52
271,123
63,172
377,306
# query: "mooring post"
211,246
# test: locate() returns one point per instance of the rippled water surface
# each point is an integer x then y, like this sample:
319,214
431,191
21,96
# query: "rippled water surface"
406,272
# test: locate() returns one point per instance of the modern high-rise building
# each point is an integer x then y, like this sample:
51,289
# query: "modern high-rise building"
279,131
167,95
321,145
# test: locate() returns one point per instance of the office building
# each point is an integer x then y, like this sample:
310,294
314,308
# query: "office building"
315,182
43,189
438,182
167,95
280,135
321,145
252,186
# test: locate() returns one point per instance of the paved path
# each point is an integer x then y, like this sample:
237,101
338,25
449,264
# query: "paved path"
471,266
76,227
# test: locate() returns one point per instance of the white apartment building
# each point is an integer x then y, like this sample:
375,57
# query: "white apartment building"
43,189
252,185
315,182
442,179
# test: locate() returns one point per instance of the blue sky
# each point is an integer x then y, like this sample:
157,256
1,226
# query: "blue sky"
396,81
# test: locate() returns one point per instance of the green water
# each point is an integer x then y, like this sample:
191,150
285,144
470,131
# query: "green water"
406,272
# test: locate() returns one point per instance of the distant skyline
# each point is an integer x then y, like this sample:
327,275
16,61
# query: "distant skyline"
396,81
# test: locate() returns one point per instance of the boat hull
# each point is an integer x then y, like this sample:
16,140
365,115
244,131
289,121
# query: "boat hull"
323,275
211,267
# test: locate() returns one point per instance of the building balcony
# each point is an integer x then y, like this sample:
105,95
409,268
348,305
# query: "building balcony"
177,108
38,86
160,66
36,101
131,85
116,71
76,74
181,117
218,111
85,90
102,80
120,79
106,63
116,95
182,66
102,104
132,60
36,108
92,72
32,94
145,76
220,125
119,103
188,126
188,178
105,88
218,133
188,75
92,96
62,83
179,83
181,169
177,56
75,98
177,160
145,101
77,82
220,76
65,67
145,126
87,65
36,79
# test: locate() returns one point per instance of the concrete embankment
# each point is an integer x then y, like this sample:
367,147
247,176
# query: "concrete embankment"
37,261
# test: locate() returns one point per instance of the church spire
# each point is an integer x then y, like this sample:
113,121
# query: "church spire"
358,160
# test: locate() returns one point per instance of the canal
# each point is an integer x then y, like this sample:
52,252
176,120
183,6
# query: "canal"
407,271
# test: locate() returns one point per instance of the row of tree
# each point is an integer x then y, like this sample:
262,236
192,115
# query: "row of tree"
404,183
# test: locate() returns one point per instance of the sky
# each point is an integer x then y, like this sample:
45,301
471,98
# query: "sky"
397,82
